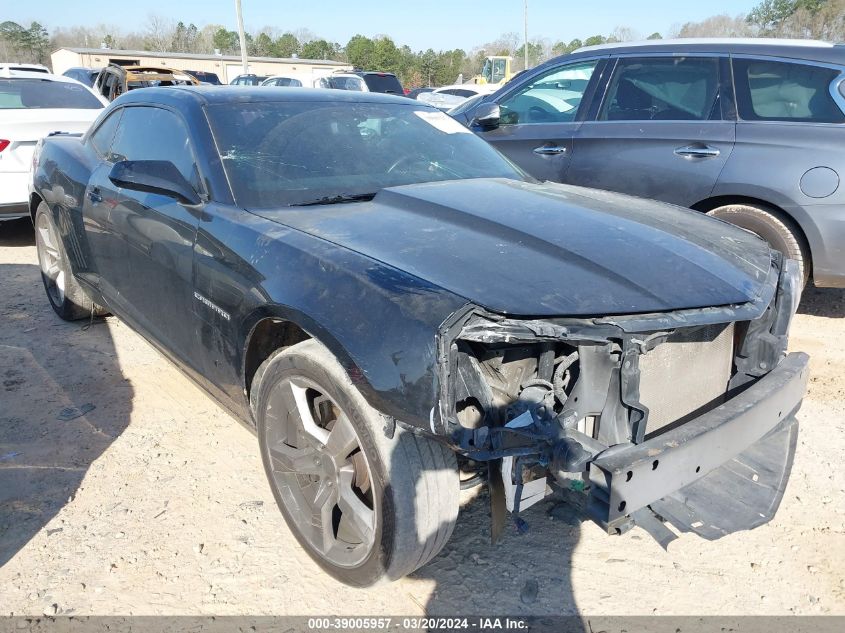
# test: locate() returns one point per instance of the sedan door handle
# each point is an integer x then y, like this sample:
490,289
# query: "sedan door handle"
550,150
697,151
94,195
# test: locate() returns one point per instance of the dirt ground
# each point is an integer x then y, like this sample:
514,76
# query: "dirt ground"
155,502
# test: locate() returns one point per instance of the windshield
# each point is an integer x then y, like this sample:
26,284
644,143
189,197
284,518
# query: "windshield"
487,71
19,94
278,154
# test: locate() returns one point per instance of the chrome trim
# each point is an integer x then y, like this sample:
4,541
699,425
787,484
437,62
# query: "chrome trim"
546,150
697,152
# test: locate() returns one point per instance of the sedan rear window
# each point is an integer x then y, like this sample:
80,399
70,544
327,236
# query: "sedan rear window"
20,94
288,153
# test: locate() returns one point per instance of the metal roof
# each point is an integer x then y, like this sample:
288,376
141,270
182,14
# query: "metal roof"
198,56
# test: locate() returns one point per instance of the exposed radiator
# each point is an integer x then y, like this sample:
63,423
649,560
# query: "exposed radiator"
690,370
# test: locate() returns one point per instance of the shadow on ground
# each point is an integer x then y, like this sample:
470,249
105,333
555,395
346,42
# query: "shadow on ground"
537,583
50,371
823,302
16,233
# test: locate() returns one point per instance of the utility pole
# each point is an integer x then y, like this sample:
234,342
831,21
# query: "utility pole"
525,45
242,36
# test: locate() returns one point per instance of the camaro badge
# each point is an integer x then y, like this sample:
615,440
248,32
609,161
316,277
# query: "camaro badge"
208,303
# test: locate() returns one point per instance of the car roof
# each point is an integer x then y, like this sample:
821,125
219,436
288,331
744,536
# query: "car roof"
6,73
23,66
212,95
811,50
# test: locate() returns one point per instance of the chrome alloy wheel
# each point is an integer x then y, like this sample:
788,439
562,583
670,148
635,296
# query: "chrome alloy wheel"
50,258
320,471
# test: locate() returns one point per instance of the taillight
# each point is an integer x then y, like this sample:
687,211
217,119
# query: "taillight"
4,144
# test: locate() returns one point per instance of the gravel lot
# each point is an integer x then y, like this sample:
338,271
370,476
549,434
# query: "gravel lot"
154,502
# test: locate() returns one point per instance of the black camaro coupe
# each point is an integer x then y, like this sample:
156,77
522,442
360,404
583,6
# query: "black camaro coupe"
390,303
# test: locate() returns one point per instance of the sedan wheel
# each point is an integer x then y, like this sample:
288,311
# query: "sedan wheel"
779,231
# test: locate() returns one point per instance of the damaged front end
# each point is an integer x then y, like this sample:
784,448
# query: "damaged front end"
686,416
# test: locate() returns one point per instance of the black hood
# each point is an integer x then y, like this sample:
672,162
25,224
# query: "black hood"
545,249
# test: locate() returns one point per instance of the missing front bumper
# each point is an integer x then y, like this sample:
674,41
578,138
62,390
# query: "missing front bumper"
721,472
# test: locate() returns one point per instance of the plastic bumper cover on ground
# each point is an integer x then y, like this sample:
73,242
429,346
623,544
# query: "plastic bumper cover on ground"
719,473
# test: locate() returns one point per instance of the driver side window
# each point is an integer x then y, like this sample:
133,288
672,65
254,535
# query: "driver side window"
552,97
150,133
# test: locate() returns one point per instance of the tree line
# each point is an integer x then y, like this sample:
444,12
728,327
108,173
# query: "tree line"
822,19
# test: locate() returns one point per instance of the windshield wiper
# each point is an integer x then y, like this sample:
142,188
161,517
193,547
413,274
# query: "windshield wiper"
338,199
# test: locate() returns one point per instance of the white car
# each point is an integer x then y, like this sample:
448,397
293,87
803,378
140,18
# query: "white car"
32,105
448,97
282,81
361,81
34,68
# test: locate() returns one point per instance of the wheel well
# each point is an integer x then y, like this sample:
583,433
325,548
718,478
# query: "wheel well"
268,336
34,201
720,201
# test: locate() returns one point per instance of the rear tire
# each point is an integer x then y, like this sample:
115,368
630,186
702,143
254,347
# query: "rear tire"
67,297
780,232
408,485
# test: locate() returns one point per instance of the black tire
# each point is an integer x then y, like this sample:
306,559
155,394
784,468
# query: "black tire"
68,299
780,232
414,486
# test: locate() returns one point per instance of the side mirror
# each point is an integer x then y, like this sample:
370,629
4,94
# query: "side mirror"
486,116
154,176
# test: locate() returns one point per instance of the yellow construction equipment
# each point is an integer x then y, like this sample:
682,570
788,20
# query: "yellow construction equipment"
496,70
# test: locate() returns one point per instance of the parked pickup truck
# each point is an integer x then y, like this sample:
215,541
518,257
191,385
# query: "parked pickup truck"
388,302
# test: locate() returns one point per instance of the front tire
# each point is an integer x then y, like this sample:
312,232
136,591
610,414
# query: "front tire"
67,298
778,231
366,508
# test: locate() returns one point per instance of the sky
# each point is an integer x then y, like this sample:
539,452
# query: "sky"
437,24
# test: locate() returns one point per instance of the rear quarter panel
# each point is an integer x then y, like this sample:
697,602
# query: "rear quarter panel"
60,179
768,163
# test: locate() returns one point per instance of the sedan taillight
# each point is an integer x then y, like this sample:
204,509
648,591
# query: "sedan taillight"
4,144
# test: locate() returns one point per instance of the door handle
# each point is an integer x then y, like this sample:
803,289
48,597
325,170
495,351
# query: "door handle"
94,195
697,151
549,150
